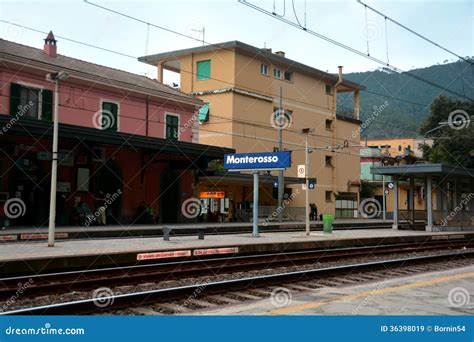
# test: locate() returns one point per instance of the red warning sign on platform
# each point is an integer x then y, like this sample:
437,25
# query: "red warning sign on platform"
39,236
162,255
210,251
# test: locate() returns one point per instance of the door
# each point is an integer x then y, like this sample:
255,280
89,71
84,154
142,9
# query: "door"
169,197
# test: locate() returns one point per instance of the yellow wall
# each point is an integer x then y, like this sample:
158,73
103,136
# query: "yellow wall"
251,129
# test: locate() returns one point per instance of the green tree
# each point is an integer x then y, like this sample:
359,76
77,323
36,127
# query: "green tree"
449,125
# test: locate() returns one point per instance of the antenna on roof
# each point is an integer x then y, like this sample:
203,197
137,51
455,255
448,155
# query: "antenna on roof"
203,31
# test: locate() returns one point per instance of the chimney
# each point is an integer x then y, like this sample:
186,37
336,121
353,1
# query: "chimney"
267,49
340,73
280,53
50,47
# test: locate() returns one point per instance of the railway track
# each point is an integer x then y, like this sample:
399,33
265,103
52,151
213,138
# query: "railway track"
84,280
184,299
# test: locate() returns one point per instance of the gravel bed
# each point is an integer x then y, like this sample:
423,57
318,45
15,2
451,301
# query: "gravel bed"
19,303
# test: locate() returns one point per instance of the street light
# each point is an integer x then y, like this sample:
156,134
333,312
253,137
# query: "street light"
306,132
54,77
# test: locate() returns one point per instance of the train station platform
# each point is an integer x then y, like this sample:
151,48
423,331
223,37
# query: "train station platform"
27,257
9,234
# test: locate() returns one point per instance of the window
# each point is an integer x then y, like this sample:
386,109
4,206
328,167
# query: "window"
31,102
277,73
264,69
328,161
346,205
204,113
109,118
288,76
172,127
203,70
328,125
328,196
328,89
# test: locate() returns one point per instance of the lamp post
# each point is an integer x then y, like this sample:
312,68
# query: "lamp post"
306,132
54,77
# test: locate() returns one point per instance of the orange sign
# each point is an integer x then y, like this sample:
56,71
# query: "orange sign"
212,194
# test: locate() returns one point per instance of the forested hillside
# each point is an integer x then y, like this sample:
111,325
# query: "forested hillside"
400,118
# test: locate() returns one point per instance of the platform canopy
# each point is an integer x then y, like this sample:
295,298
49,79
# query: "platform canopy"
448,193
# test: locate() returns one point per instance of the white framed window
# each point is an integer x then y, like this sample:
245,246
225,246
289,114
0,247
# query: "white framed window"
277,73
288,75
264,69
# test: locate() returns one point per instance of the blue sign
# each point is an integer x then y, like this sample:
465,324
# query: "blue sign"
257,161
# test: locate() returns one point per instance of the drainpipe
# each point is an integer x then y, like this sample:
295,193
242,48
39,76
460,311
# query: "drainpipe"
334,156
147,101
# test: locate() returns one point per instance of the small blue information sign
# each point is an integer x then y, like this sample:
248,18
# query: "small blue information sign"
258,161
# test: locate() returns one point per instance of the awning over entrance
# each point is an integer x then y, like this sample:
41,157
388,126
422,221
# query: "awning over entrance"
451,186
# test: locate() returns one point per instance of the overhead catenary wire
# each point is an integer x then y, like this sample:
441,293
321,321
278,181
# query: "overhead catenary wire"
129,56
413,32
354,50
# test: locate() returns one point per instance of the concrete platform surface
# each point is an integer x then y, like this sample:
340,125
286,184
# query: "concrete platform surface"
438,293
244,242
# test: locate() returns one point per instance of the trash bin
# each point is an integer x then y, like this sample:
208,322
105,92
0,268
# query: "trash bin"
327,223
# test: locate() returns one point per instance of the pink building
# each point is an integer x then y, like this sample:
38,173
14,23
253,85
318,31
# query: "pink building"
119,132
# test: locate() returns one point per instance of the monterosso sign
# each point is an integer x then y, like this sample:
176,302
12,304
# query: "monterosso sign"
257,161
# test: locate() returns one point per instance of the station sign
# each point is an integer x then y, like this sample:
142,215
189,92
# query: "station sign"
212,194
257,161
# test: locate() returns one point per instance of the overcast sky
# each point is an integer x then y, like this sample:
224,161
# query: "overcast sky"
449,23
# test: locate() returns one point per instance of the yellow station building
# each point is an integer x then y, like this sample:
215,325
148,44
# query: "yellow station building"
240,85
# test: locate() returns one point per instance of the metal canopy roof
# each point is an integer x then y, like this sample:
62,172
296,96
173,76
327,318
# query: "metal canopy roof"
423,170
238,177
44,129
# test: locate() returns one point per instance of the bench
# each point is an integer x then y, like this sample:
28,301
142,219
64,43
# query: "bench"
167,231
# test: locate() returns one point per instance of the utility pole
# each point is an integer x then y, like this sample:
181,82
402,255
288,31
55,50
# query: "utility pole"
306,132
54,77
384,199
280,149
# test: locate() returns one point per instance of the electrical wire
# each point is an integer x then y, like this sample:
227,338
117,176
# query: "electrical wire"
414,32
353,50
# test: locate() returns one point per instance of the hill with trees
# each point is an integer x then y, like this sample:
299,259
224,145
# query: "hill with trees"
408,99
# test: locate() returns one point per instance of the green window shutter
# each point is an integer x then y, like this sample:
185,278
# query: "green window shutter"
172,127
204,113
46,105
109,116
15,98
203,70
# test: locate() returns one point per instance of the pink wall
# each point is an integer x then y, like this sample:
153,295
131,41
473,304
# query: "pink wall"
78,104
